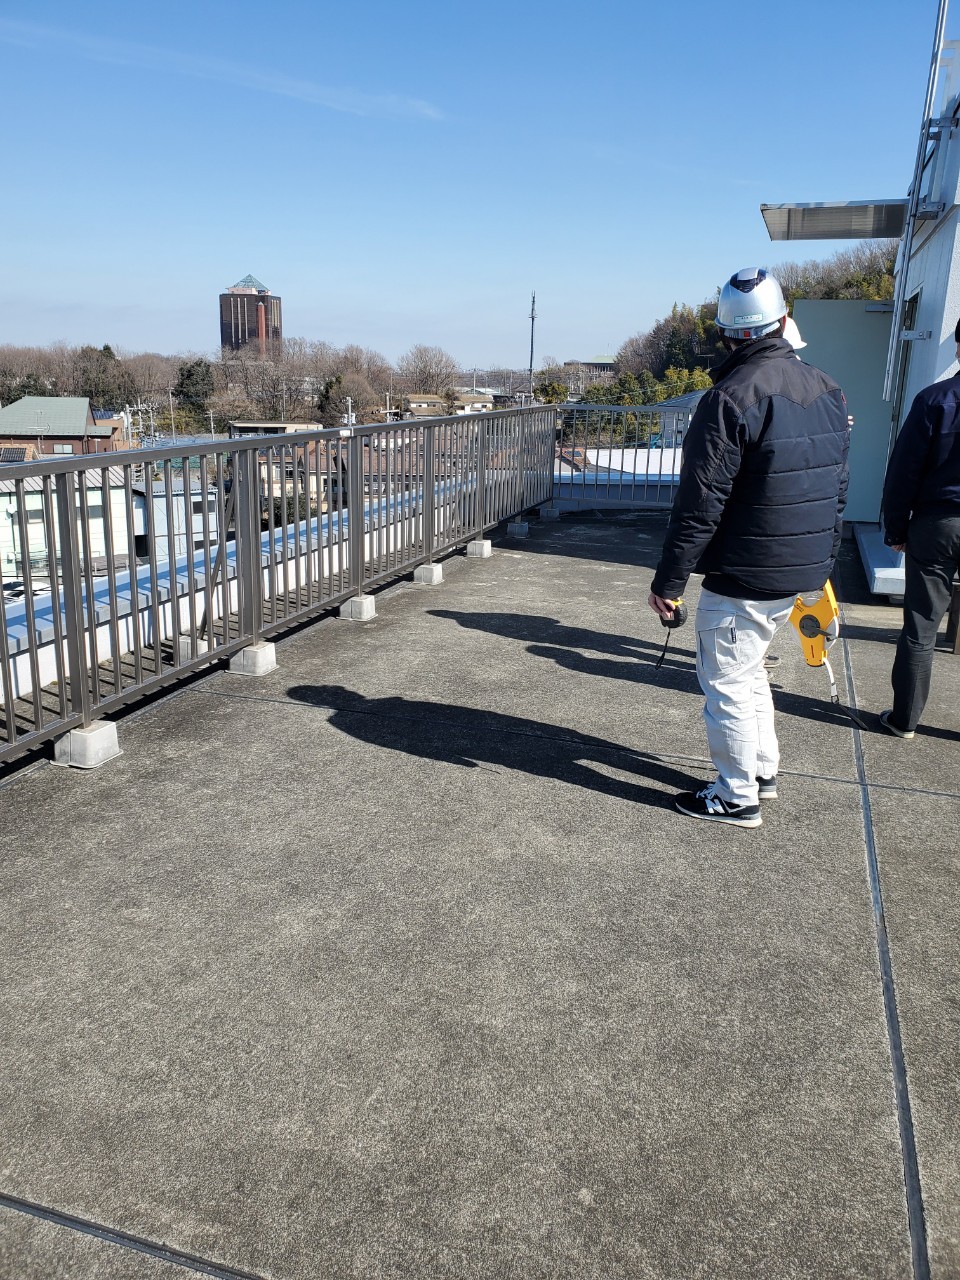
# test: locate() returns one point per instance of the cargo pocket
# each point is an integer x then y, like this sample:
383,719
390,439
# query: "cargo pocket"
718,644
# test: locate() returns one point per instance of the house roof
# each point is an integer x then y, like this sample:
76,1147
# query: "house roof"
35,416
91,477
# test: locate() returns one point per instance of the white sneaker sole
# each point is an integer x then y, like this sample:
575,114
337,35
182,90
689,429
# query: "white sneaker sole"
729,819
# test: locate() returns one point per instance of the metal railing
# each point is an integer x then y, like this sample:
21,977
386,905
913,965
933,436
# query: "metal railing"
618,455
138,568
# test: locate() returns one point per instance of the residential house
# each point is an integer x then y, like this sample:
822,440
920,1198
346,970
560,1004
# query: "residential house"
421,404
474,402
47,426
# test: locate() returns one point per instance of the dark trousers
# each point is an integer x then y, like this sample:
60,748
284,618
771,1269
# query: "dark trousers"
931,559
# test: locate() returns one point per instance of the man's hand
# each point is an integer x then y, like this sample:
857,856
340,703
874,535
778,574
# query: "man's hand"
898,546
660,606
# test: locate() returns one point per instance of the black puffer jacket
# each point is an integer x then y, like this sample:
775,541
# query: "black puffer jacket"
763,482
923,473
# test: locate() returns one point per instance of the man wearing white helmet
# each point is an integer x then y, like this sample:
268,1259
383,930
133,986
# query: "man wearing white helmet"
758,512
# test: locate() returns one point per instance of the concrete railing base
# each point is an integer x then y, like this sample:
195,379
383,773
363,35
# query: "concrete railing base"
430,574
255,660
183,648
518,529
480,549
359,609
549,513
89,747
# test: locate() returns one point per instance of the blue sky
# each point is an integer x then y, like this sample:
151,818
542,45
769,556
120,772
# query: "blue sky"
409,173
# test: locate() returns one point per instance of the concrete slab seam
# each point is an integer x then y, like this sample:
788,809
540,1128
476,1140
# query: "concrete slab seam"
125,1240
916,1217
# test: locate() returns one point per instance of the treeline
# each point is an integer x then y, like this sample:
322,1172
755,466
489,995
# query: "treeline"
301,382
673,356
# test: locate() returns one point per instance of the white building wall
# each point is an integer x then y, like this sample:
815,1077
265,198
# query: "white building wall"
934,269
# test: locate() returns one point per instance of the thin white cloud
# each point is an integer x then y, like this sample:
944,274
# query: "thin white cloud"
122,53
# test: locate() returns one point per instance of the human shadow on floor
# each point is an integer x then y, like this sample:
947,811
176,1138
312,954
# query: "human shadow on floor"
631,659
473,738
539,629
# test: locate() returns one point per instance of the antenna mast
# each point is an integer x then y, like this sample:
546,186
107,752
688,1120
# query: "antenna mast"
533,321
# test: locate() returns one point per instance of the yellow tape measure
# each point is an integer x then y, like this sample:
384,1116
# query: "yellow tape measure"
817,625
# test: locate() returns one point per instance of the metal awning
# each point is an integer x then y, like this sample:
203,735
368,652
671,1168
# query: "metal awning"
837,220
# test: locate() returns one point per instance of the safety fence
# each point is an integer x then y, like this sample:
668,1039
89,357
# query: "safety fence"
611,456
123,573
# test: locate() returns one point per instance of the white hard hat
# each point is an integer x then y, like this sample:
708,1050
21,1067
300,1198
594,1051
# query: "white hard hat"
750,304
792,334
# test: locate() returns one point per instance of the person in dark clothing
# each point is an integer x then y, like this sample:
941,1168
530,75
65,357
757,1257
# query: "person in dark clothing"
921,517
758,511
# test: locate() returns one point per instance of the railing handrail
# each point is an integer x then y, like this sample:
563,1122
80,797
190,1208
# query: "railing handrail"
103,638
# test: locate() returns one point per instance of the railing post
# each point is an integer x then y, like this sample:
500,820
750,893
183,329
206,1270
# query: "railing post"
80,701
429,509
526,470
356,513
482,476
249,561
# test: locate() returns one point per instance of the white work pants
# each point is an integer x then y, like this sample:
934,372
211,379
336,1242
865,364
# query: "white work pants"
732,639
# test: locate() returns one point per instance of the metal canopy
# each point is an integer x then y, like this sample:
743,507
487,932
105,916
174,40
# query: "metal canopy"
838,220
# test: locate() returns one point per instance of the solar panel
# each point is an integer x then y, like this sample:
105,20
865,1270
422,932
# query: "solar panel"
9,454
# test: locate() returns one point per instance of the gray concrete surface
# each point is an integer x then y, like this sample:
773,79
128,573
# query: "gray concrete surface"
396,961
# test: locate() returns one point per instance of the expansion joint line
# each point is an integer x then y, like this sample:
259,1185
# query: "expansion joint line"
916,1219
125,1240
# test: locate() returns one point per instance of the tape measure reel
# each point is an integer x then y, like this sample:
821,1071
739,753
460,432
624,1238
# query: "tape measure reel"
817,623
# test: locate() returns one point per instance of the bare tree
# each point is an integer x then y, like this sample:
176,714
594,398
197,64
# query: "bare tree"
428,369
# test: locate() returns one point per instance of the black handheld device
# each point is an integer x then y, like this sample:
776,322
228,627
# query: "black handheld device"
679,615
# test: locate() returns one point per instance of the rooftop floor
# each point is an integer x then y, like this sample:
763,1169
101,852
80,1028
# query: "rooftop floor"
397,962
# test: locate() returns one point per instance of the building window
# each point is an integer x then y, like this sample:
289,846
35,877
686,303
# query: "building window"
63,448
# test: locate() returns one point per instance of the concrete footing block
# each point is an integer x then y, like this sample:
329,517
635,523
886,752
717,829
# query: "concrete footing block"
359,608
255,659
518,529
549,513
480,549
203,646
89,747
430,574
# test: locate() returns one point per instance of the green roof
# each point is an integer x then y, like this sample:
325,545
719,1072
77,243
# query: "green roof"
250,282
34,416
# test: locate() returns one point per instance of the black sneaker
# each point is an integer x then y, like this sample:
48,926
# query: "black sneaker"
892,728
707,804
767,788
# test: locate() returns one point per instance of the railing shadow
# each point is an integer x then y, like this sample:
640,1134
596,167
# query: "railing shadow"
473,738
639,547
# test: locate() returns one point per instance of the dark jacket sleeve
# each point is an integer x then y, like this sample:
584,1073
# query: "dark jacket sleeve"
905,471
712,456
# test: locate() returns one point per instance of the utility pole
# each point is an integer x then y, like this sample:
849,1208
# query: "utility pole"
173,421
210,415
533,321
